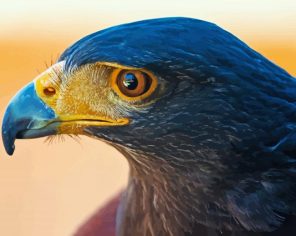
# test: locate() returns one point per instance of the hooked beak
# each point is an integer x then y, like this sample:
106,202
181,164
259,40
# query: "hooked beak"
33,113
27,116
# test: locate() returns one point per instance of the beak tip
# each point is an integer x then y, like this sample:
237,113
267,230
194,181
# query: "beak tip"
24,108
8,142
8,135
10,150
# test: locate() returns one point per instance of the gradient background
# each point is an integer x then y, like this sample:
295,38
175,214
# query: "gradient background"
51,189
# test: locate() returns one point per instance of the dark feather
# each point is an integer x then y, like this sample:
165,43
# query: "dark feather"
216,151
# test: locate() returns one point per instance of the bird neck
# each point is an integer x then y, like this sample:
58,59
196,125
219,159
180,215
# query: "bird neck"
161,199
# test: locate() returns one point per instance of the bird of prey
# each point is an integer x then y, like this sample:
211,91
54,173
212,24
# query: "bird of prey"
207,125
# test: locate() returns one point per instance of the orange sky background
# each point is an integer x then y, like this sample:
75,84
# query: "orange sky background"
50,189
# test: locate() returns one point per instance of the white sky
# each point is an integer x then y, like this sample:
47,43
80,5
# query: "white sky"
266,18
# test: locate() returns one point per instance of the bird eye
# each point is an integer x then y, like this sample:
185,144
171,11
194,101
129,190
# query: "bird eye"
133,83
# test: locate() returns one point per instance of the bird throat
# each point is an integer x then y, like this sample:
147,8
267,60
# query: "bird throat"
162,199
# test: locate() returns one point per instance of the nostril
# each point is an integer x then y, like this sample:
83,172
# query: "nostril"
49,91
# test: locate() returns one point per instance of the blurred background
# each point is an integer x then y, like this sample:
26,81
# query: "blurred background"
51,189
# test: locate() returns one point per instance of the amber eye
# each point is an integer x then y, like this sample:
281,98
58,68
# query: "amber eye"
133,83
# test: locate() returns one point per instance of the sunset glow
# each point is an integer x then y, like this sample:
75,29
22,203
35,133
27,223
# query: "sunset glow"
51,189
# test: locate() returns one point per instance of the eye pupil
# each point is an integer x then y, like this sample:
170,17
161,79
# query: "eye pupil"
130,81
133,83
